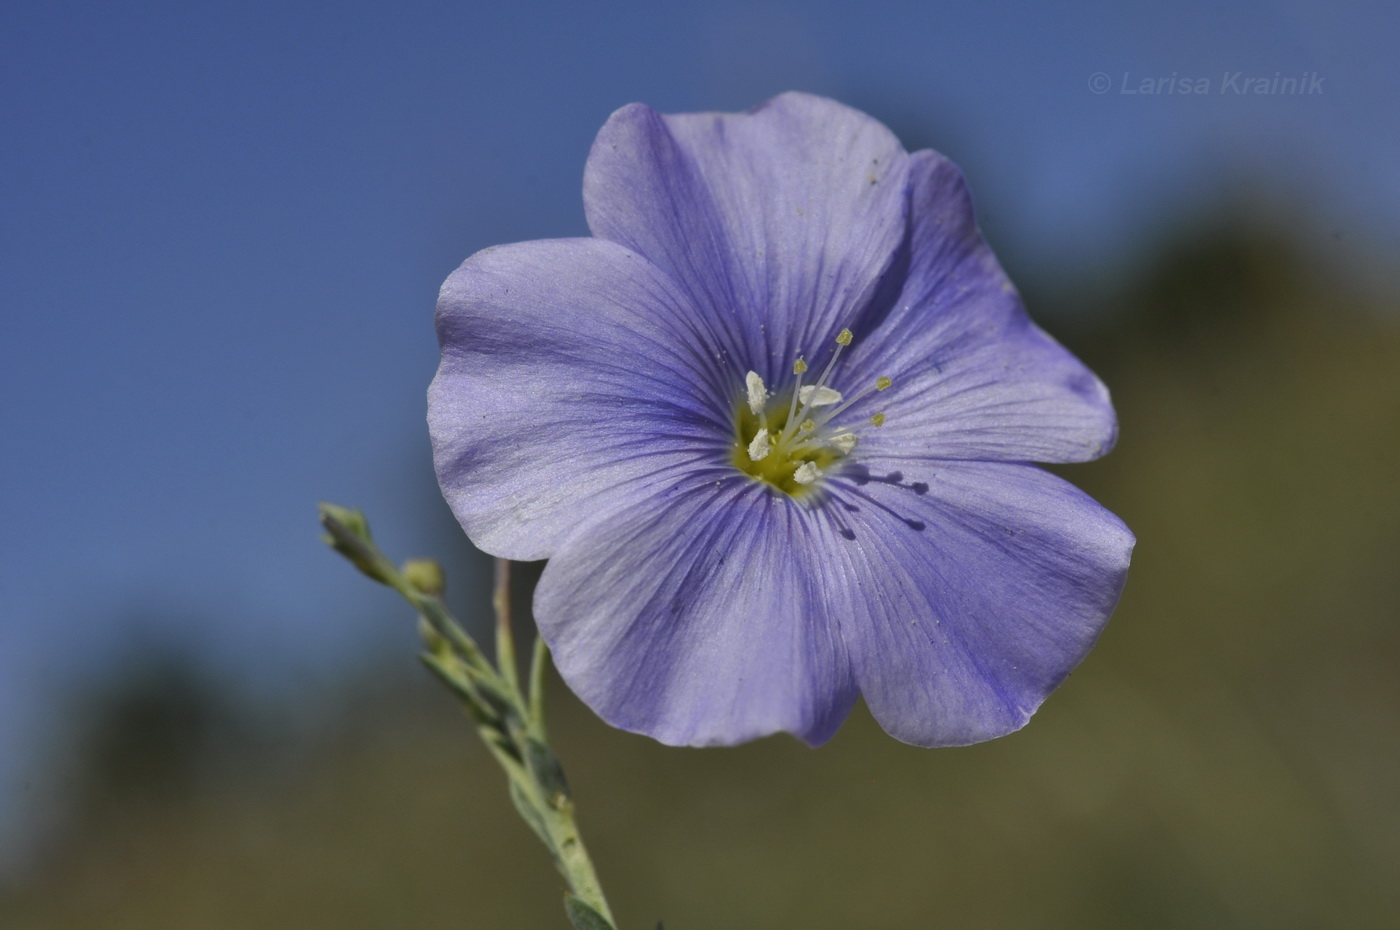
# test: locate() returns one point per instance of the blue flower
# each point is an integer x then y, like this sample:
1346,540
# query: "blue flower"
771,426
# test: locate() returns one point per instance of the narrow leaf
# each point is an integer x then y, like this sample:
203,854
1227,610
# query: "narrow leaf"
584,917
497,699
544,765
530,815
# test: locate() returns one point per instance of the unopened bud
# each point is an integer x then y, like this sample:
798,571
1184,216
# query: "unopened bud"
425,576
347,532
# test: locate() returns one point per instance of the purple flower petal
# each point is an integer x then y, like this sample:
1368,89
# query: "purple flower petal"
777,222
570,372
972,590
698,615
721,565
974,378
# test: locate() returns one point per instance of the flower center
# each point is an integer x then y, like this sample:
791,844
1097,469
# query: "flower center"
791,438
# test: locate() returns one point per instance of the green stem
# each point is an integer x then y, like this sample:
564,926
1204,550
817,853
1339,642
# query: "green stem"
539,665
547,790
511,726
505,639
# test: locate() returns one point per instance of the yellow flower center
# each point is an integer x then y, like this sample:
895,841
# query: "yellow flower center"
790,440
780,465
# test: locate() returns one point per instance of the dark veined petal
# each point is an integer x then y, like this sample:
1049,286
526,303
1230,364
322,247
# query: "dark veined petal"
569,372
777,222
697,615
974,378
973,589
584,411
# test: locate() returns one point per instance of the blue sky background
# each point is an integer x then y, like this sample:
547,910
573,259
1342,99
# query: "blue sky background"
224,226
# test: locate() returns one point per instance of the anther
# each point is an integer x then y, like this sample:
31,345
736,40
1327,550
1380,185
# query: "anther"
758,394
808,444
843,339
880,384
819,396
759,448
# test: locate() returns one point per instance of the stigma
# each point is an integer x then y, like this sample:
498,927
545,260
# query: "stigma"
793,437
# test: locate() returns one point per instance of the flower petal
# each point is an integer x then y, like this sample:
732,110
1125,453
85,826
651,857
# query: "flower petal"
974,378
978,587
570,367
697,616
777,222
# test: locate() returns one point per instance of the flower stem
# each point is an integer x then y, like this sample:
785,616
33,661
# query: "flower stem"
539,664
505,639
548,790
510,724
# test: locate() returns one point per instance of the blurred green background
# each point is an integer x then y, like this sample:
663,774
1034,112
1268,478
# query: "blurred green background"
224,225
1227,756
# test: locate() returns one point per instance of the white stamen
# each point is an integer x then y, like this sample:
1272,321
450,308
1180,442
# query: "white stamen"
844,442
806,473
759,448
799,368
758,394
843,339
809,442
880,384
814,396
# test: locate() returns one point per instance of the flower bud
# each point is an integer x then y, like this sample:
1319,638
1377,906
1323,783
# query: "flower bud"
425,576
347,532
